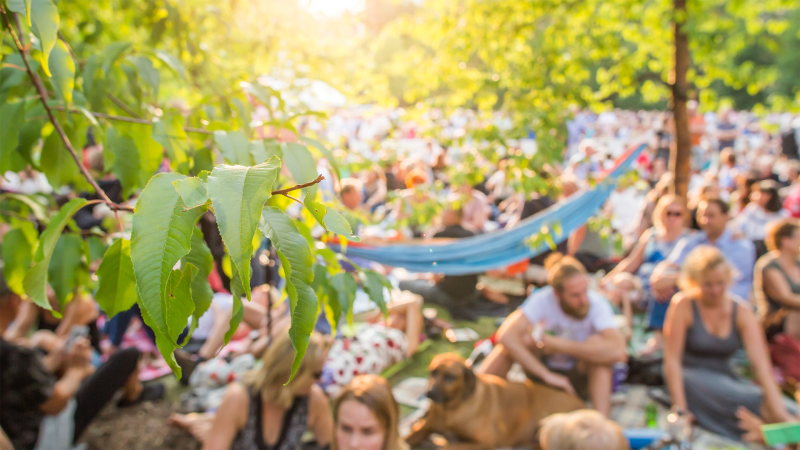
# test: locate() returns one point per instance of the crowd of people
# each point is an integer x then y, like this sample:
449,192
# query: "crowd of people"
717,276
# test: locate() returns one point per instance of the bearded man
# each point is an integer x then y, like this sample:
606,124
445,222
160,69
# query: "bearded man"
563,335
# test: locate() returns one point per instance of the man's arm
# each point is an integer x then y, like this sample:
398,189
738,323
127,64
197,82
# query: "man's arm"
512,335
606,347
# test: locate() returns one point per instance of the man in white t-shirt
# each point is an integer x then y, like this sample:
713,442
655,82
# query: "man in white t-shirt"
564,335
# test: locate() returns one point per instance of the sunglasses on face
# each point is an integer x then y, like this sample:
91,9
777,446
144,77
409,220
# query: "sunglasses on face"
674,214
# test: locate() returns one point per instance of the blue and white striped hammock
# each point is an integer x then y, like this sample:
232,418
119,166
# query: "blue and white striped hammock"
500,248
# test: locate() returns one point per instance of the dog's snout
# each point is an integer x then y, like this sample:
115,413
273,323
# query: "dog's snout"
436,396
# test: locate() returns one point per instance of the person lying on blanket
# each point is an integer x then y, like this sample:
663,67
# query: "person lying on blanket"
563,335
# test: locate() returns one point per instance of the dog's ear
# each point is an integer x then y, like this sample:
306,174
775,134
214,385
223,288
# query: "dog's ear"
470,380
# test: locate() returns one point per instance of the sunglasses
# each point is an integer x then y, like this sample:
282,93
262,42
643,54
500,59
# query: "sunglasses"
674,214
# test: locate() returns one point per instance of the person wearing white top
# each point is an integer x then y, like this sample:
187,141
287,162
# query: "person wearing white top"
564,335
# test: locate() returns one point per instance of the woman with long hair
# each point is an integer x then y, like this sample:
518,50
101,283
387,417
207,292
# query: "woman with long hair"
705,328
265,413
366,416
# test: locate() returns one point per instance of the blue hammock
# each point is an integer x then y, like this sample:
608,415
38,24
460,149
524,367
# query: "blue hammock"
500,248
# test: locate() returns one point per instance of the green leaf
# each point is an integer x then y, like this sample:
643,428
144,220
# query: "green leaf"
180,306
297,264
169,133
237,195
150,152
161,236
234,146
62,68
373,284
36,278
335,223
301,165
327,295
117,285
200,257
22,7
258,151
46,20
193,192
325,153
148,73
273,148
331,261
97,248
122,157
65,266
165,346
346,286
112,53
171,62
12,117
17,254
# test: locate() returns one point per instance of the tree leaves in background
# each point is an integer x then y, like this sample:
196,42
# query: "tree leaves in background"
17,252
200,257
161,236
46,21
22,7
117,285
150,152
301,165
169,133
373,284
122,157
327,296
36,279
297,262
148,73
325,153
235,147
62,68
66,266
12,117
237,195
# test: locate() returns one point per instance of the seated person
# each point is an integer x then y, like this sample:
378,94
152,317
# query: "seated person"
377,344
705,327
48,401
366,415
654,246
712,217
776,288
457,293
263,412
581,430
82,310
563,335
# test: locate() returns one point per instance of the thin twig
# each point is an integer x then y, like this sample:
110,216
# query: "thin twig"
13,66
123,106
43,93
121,230
299,186
128,119
292,198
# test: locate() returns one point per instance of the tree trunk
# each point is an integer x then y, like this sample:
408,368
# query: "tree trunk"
681,152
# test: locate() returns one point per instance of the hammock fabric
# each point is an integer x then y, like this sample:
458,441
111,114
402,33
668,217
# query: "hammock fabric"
500,248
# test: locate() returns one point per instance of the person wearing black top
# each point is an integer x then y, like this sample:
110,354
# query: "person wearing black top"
458,293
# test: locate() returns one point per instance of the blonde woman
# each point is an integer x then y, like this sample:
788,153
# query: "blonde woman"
705,327
581,430
366,416
263,413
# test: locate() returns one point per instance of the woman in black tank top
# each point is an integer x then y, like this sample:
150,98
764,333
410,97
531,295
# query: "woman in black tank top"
263,414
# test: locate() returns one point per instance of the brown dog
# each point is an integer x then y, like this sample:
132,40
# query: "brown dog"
485,411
